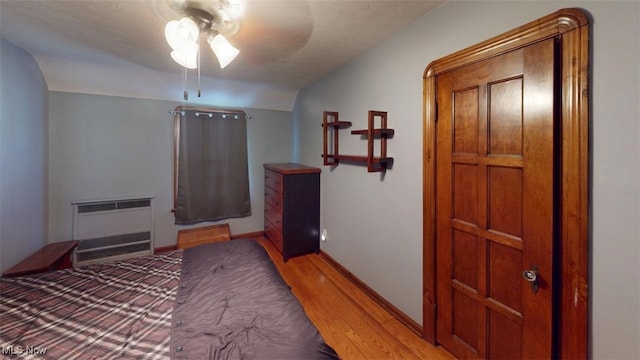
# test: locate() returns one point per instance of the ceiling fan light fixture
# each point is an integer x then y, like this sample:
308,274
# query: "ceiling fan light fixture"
215,20
182,35
187,59
225,52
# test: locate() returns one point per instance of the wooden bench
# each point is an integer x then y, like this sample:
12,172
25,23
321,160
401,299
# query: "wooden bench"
53,256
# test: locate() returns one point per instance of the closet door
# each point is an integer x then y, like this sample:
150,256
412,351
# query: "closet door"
494,205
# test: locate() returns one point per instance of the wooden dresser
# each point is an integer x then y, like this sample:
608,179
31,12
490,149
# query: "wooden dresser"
292,208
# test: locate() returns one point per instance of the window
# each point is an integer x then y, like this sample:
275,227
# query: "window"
211,176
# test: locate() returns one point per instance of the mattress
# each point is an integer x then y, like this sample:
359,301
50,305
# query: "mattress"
215,301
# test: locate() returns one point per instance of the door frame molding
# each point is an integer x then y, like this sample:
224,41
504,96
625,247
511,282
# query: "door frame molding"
571,28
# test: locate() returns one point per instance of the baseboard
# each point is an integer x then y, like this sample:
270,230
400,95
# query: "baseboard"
164,249
397,313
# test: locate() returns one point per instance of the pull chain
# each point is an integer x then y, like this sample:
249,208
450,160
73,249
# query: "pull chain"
198,42
186,93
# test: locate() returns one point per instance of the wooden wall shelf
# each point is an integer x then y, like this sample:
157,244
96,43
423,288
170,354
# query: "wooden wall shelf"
379,163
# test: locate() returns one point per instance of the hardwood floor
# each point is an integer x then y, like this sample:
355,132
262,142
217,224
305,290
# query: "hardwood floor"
349,320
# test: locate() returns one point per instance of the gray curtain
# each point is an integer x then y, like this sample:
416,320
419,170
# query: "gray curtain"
213,176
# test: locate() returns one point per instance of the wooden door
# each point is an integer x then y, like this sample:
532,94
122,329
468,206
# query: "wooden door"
495,205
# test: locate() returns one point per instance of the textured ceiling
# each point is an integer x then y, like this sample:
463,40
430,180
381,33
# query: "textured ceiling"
288,43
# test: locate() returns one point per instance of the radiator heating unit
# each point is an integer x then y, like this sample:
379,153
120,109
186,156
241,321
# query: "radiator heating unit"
112,229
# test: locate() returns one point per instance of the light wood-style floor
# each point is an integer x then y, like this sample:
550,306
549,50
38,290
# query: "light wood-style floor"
349,320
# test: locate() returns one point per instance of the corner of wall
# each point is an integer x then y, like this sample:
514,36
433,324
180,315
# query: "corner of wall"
23,150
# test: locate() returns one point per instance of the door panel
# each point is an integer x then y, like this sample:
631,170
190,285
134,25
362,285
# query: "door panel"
494,205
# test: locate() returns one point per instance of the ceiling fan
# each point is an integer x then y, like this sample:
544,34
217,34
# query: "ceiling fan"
215,20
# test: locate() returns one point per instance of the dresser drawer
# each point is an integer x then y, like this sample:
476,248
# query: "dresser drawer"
273,216
273,180
274,235
273,199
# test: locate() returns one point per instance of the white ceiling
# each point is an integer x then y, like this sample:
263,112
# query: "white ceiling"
287,43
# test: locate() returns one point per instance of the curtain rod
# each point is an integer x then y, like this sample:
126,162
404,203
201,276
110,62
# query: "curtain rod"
225,114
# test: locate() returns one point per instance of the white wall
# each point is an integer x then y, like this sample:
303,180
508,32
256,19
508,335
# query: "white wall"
116,77
23,159
375,225
105,146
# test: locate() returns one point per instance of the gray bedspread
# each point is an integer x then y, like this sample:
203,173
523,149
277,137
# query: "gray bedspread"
233,304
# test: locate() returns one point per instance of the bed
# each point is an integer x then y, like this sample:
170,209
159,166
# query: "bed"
222,300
